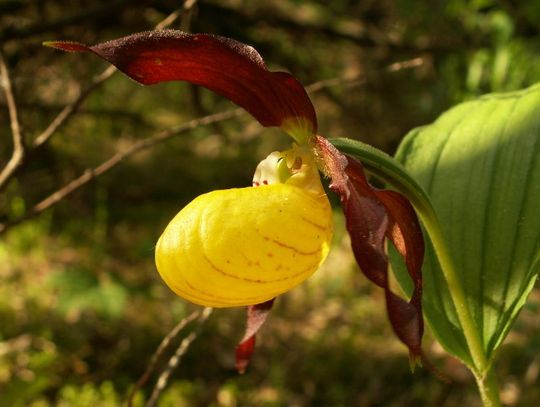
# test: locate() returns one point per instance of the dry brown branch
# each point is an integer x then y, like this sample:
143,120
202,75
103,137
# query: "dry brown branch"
187,13
72,108
169,20
110,163
407,64
341,81
183,13
90,174
175,359
159,353
19,149
353,81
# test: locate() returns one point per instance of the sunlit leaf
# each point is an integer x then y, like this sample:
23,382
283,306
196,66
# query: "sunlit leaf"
480,164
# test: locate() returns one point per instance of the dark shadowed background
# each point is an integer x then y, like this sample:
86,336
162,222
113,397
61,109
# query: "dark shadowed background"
82,308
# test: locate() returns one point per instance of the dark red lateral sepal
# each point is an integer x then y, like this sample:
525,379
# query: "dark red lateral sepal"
373,215
256,316
225,66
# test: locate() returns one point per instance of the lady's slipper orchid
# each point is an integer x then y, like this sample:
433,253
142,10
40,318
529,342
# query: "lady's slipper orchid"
243,247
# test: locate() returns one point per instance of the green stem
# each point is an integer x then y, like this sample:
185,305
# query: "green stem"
470,330
482,369
386,168
488,389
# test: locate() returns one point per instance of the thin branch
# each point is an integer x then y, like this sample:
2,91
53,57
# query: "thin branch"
164,135
187,13
72,108
159,353
175,15
169,20
19,149
407,64
353,81
175,359
113,161
189,5
341,81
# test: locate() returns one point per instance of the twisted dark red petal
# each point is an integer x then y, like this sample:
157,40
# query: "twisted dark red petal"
373,215
230,68
256,316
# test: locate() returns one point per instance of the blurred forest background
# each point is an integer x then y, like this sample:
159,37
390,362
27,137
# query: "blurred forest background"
82,308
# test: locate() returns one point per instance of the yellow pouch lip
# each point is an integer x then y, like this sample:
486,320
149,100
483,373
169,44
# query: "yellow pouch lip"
230,288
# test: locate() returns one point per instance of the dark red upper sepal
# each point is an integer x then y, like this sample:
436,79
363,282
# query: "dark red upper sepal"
256,316
225,66
372,216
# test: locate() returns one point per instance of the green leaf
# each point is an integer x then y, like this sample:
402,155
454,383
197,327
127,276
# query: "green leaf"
480,165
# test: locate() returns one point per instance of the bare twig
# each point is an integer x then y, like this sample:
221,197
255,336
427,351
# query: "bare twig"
175,359
353,81
189,5
327,83
187,13
159,353
72,108
19,149
107,165
183,13
407,64
169,20
110,163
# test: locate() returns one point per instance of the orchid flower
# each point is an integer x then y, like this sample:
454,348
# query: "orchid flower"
245,246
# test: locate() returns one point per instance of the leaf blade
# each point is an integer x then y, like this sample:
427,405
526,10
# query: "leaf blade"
478,163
